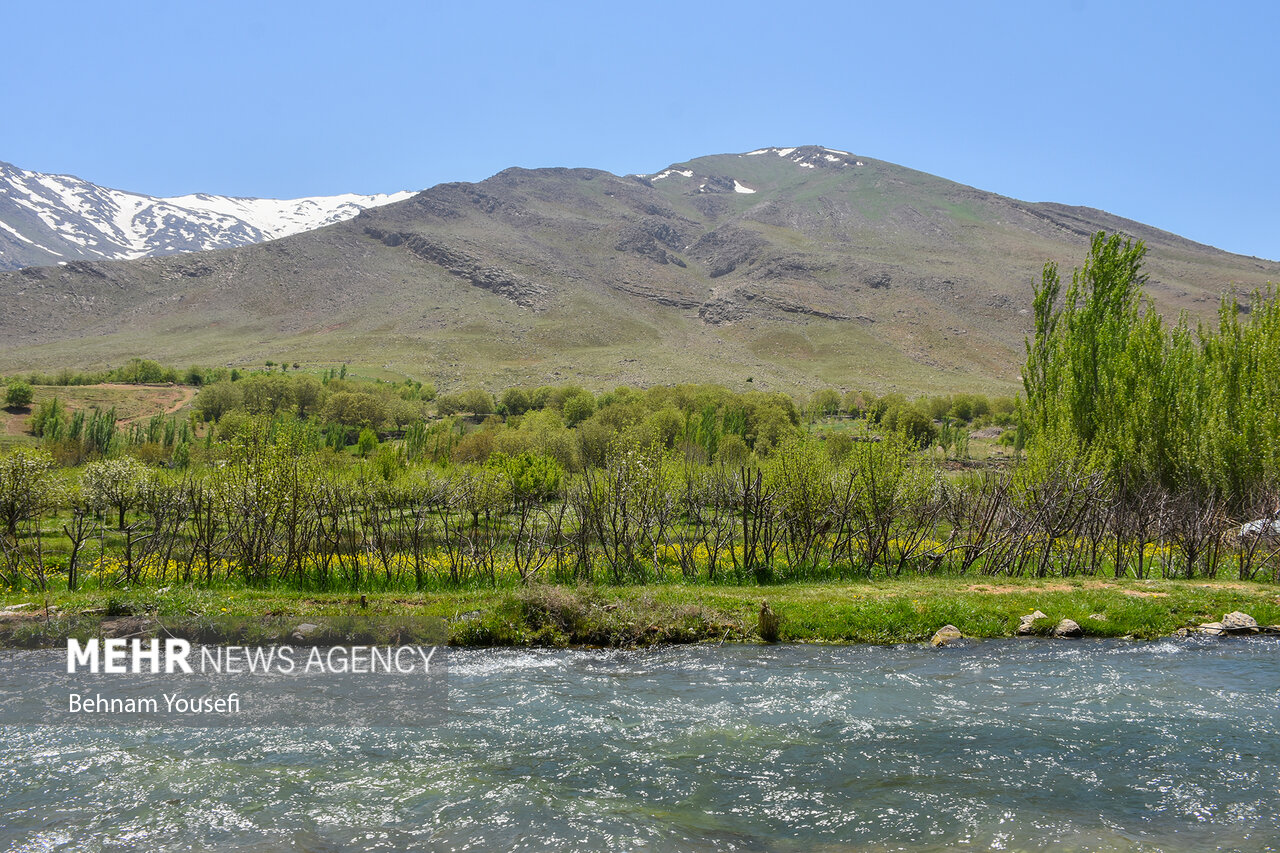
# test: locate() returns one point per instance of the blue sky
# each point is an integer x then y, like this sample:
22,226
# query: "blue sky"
1168,113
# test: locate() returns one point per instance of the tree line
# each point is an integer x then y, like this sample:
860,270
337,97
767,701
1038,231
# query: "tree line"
1147,443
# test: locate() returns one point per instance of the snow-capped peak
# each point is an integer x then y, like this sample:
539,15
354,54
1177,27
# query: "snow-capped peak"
51,218
811,156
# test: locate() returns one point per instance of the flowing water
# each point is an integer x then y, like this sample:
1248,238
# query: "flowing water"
1039,745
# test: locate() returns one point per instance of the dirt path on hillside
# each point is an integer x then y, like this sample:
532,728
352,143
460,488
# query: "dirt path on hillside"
185,395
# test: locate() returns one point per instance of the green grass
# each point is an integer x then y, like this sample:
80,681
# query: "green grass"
883,611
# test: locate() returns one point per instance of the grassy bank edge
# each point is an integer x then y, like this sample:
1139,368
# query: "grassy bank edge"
893,611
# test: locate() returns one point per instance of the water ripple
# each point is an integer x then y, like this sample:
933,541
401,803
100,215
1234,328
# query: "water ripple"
1114,746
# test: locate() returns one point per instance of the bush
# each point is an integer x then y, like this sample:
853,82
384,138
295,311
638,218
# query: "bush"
367,443
577,407
216,400
18,396
355,410
476,401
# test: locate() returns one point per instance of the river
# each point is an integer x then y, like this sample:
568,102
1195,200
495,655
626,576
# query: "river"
1002,745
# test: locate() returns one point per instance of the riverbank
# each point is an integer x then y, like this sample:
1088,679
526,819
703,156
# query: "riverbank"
882,611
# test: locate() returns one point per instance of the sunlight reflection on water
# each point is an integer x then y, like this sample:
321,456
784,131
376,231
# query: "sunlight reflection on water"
1101,745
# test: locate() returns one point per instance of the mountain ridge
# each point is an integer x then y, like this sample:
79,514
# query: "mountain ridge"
847,271
49,219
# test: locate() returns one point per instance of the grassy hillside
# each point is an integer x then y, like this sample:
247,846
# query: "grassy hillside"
833,270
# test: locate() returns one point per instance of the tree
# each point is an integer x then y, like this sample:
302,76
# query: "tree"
1077,347
367,443
18,396
267,394
114,484
577,407
308,394
916,426
355,410
825,403
217,399
515,401
474,400
28,486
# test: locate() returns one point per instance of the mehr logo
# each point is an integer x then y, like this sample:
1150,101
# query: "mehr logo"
129,656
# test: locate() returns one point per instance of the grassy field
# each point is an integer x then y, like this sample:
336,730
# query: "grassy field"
131,402
884,611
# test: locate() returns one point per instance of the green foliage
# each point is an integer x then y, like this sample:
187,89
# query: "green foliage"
515,401
474,400
367,443
531,475
355,409
217,399
28,486
50,421
1147,403
267,394
141,371
824,403
912,423
577,407
18,395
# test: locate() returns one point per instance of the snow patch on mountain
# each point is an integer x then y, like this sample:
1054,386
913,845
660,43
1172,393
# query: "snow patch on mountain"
279,217
810,156
87,221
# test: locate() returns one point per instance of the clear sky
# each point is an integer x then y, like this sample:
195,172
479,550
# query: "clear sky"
1168,112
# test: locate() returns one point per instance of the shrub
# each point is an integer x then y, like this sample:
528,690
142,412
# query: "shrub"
18,396
367,443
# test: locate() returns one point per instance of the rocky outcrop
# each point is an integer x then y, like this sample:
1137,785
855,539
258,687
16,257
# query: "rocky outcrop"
1237,622
726,249
655,239
769,623
737,303
305,632
458,262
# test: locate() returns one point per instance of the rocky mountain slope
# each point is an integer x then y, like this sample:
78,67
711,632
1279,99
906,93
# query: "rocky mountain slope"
48,219
783,267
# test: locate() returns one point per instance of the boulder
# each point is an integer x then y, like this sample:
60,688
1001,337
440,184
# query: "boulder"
946,634
1068,629
1212,628
305,631
1239,623
1027,623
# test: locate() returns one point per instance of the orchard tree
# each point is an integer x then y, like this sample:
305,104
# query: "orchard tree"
28,487
114,484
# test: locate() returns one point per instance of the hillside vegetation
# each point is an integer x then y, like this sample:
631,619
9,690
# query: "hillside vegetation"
334,484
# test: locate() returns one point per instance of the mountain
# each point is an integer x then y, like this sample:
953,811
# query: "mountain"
47,219
786,267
